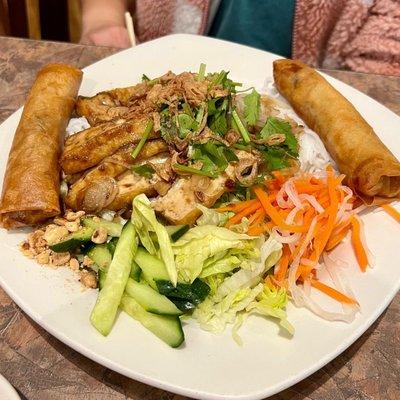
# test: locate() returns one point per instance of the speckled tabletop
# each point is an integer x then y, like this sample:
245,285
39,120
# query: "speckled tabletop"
40,367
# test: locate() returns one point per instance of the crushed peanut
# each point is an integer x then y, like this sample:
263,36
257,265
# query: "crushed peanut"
37,241
55,233
43,257
87,261
88,279
60,221
73,216
74,264
73,226
99,236
59,259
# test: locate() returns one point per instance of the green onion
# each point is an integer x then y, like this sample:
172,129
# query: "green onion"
145,78
202,72
194,171
241,127
143,140
200,114
144,170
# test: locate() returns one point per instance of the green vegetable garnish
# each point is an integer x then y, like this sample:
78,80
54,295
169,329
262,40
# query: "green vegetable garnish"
144,170
202,72
241,127
195,171
145,78
252,107
143,140
274,126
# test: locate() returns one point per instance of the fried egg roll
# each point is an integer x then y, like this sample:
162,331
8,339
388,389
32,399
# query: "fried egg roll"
371,170
31,187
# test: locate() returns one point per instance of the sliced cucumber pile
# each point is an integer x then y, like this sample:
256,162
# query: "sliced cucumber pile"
175,232
113,228
73,240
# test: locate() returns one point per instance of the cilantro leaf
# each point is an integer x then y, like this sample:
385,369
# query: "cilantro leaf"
144,170
274,126
168,127
252,107
275,158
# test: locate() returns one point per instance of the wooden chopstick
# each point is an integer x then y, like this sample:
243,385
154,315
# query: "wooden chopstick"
129,27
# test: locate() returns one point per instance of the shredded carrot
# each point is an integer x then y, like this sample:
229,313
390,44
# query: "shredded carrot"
274,214
256,215
244,213
283,264
331,292
392,211
236,207
334,240
358,247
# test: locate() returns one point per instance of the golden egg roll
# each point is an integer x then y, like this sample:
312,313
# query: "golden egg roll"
371,170
31,187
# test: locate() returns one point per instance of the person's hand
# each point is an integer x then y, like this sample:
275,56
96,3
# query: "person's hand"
111,36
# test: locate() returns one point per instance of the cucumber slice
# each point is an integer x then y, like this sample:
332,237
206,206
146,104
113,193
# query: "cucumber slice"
101,278
112,244
185,296
105,310
176,231
135,271
150,300
100,255
113,228
73,240
152,268
168,328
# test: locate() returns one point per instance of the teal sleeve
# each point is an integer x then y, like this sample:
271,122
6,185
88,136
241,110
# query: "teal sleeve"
264,24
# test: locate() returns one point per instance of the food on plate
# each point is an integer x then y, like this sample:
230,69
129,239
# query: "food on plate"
31,187
370,168
190,196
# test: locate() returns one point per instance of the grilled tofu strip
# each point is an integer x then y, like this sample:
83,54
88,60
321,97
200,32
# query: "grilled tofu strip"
112,167
87,148
106,106
179,205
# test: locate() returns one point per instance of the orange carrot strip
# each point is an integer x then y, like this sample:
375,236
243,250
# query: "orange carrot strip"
334,240
274,214
392,211
259,212
244,213
358,247
283,264
331,292
236,207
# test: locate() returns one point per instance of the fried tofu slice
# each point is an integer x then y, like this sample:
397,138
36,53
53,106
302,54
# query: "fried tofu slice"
87,148
112,167
179,205
106,106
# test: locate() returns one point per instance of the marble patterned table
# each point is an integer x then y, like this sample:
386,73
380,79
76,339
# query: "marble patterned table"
42,368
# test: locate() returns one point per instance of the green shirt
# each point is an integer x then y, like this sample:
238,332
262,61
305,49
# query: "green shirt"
264,24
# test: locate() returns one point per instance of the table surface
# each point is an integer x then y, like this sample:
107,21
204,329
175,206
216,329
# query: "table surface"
41,367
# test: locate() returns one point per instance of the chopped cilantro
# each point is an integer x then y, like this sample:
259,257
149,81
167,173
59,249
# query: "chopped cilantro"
252,107
144,170
202,72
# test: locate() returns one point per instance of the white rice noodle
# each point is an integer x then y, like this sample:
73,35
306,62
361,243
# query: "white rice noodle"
344,205
292,194
285,237
312,201
76,125
306,242
280,199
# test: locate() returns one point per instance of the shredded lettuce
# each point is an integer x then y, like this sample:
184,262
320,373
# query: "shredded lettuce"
271,302
145,221
232,293
199,244
212,217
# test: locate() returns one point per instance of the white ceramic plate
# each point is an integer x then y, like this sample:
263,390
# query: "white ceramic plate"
208,366
7,392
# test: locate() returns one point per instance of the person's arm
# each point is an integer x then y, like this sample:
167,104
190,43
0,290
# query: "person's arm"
103,23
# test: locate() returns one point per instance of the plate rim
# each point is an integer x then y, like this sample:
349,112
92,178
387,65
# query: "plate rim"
165,385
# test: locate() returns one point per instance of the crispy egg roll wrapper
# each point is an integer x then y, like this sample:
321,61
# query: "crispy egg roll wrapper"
371,170
31,187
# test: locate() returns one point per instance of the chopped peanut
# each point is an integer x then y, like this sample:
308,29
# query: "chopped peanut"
44,257
59,259
60,221
88,279
55,233
87,261
73,216
74,264
73,226
99,236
